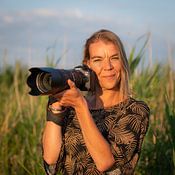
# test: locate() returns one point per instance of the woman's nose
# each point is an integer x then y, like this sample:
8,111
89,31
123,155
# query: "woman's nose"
107,65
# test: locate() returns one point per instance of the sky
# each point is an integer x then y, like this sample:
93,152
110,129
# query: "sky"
36,30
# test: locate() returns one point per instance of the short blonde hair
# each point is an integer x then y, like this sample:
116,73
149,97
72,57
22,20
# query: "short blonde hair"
108,36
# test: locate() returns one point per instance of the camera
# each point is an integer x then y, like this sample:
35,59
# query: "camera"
49,81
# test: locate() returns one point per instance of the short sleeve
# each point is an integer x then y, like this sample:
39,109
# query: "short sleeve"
126,134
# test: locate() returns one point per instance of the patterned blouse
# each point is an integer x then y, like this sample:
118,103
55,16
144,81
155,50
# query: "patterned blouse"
124,127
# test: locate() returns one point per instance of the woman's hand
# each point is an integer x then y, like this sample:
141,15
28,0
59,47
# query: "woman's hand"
71,97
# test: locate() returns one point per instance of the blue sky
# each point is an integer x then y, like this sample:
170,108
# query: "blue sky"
32,30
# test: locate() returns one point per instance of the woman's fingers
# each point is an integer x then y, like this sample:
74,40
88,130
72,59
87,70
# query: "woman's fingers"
67,97
71,84
57,105
61,94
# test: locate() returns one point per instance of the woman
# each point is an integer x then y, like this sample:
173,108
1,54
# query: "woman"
102,133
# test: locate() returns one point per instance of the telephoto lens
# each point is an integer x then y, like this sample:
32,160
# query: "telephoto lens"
49,81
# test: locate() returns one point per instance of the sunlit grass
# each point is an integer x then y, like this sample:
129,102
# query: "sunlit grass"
21,123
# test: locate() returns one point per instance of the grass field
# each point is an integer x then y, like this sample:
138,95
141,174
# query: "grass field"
22,118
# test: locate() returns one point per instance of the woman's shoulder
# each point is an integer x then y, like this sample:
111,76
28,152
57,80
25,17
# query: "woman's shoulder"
138,107
138,103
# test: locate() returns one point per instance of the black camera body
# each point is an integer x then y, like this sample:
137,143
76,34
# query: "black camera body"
49,81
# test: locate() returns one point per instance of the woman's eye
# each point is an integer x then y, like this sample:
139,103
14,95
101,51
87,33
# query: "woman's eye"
96,60
115,58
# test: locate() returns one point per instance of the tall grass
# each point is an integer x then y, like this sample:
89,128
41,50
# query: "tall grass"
22,119
21,122
156,86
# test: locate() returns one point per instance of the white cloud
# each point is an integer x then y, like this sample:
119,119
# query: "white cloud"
63,15
7,19
73,13
59,13
44,12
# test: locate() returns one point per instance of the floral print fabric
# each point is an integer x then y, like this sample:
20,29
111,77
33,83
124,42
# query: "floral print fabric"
123,126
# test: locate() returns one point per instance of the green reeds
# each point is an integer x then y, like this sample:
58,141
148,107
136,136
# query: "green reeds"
155,86
21,122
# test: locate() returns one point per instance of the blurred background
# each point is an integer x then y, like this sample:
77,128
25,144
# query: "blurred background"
53,33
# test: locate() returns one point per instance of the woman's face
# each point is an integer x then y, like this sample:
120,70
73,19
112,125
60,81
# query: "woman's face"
106,63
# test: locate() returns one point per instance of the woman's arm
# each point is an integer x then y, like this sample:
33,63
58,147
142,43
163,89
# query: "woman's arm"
52,135
97,145
52,140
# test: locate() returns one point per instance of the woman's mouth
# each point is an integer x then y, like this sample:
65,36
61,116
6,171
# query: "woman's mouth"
109,76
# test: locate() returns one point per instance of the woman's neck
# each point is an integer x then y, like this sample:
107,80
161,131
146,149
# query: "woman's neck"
105,99
108,98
